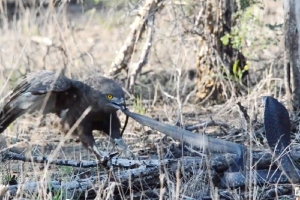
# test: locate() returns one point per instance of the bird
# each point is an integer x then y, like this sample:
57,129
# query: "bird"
51,92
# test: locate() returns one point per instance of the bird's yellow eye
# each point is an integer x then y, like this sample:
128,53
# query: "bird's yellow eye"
109,96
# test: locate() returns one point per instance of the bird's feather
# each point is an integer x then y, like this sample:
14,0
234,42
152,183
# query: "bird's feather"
68,99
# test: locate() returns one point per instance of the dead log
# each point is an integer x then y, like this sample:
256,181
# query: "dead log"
75,188
142,178
218,162
148,177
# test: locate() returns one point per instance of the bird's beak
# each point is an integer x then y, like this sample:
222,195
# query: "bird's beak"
118,104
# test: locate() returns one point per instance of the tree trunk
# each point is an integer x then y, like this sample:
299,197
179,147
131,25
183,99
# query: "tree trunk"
291,42
216,60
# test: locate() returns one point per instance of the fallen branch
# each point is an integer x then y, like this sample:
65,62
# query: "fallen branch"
73,189
218,162
116,162
7,155
142,178
147,177
206,124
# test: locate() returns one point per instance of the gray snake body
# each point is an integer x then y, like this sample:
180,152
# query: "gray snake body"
277,126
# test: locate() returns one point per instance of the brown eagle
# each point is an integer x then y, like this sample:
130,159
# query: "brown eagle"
52,92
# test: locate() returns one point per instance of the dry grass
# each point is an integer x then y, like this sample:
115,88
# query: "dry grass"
86,43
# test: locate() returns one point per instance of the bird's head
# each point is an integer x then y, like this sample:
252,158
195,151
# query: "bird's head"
112,95
114,102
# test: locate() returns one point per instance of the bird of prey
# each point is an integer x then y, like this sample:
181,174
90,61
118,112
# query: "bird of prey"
51,92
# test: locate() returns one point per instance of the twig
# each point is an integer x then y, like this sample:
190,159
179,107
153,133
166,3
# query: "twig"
206,124
49,44
244,111
194,151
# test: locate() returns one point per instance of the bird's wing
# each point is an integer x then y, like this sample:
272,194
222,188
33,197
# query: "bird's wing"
30,93
47,81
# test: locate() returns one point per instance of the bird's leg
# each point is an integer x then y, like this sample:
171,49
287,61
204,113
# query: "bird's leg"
93,149
121,144
89,143
113,129
101,159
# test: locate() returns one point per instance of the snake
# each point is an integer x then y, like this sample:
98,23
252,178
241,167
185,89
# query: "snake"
278,134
